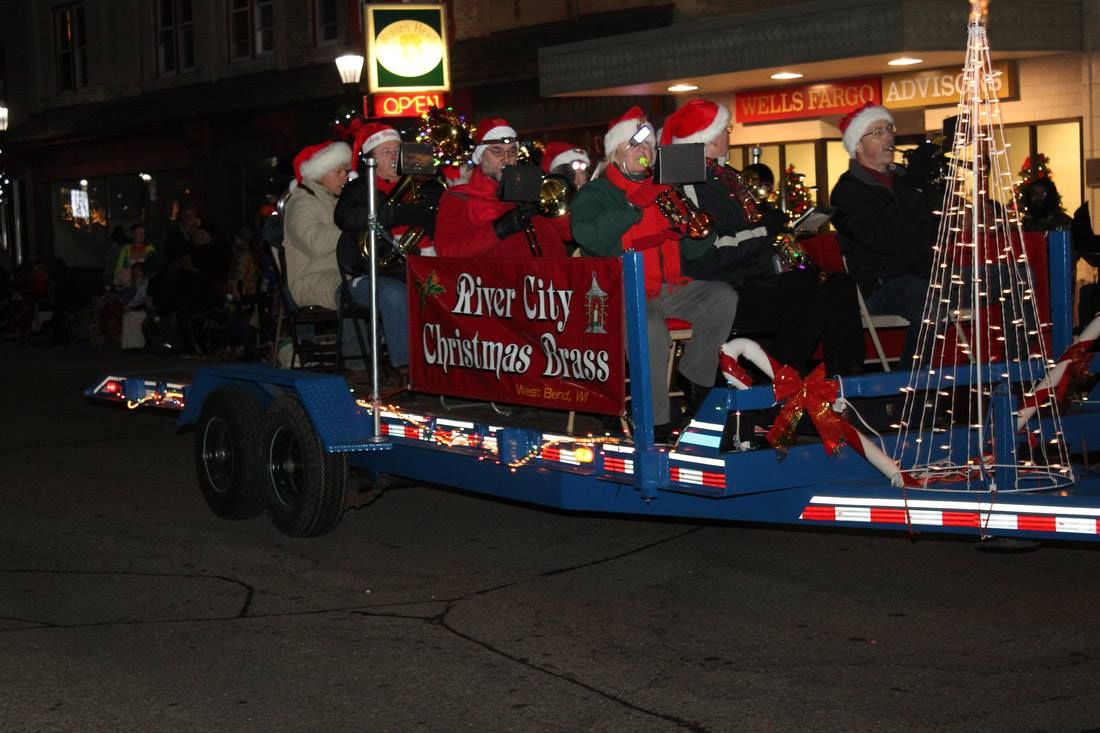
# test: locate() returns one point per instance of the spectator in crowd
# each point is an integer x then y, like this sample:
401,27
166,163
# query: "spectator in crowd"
619,211
795,306
474,222
133,298
885,229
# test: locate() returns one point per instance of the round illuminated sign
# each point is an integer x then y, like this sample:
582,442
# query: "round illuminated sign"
408,48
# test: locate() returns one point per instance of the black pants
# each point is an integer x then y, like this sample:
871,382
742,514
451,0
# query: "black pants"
799,311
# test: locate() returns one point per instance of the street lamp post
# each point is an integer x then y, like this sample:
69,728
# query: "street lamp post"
5,182
350,67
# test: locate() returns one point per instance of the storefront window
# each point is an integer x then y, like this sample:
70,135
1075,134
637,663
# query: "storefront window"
1060,142
84,213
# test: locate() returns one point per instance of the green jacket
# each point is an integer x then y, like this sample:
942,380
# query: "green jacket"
600,215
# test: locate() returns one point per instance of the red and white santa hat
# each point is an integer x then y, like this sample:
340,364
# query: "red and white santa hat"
558,153
492,131
856,122
371,135
698,121
622,129
314,161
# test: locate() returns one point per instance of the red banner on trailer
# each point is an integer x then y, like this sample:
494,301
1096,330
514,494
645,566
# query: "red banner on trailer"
541,332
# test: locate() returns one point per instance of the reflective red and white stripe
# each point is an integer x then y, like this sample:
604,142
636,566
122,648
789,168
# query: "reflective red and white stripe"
402,431
934,513
618,459
697,470
560,455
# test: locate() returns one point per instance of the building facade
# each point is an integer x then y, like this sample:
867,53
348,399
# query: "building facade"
129,109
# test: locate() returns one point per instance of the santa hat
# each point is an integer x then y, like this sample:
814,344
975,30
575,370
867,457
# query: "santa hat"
621,130
562,154
698,121
371,135
316,160
489,132
856,122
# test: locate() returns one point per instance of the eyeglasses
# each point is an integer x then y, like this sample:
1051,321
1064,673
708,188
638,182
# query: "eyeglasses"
498,151
880,131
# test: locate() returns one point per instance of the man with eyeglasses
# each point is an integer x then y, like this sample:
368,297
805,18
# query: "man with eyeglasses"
474,222
885,229
795,308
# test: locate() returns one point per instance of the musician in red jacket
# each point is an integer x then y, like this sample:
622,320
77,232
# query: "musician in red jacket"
474,222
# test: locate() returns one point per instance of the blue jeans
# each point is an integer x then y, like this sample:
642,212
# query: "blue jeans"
902,296
393,314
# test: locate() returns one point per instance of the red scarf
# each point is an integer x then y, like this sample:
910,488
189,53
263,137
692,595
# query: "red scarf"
654,237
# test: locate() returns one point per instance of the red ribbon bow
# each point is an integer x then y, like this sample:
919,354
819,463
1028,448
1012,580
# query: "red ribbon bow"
814,395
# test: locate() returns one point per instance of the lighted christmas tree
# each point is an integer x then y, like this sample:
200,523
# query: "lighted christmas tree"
979,410
798,196
1029,172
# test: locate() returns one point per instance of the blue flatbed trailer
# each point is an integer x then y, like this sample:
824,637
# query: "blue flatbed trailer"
282,441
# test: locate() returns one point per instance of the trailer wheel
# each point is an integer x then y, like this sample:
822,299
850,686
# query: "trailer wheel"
307,486
227,453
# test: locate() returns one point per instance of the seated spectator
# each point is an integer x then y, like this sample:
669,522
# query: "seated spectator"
884,226
618,211
133,298
474,222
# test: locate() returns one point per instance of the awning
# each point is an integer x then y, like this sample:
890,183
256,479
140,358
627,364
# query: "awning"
827,39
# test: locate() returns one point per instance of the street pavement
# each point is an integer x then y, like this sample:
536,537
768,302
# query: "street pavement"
125,605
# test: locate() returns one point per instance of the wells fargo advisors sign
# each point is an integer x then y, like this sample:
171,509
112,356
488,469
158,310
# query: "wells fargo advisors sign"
941,87
810,100
540,332
406,48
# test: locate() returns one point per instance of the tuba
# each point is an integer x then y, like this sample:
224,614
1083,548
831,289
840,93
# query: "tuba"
280,204
406,191
739,189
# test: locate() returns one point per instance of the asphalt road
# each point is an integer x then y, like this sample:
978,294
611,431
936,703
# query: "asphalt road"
125,605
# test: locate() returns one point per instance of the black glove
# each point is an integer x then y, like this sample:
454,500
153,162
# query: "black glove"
515,220
775,221
419,214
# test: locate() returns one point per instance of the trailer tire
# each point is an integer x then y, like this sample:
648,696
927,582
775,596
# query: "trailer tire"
307,487
227,453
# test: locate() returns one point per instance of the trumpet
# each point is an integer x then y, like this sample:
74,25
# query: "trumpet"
682,214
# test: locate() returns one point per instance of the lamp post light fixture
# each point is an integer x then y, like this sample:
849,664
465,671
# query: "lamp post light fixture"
350,66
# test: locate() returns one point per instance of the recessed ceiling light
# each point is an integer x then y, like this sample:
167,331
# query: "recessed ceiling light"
904,61
682,88
781,75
